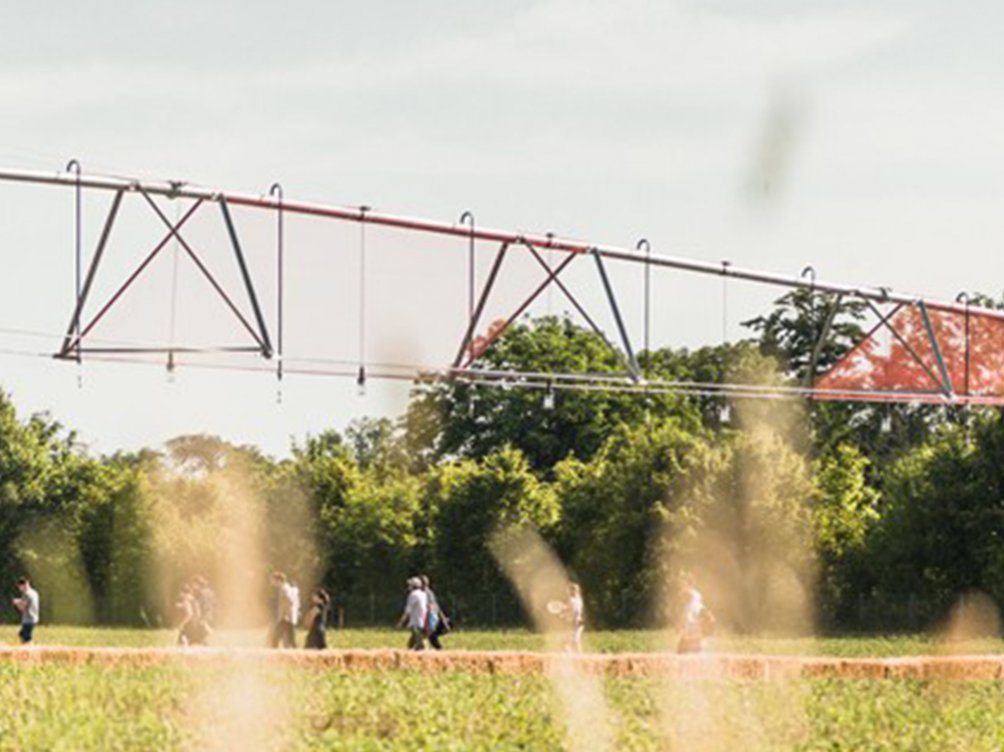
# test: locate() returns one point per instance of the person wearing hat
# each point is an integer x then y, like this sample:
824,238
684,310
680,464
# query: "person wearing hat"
415,610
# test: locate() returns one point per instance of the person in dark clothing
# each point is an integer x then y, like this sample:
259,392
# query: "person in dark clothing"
317,621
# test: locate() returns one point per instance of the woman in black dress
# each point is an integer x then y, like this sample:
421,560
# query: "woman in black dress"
317,620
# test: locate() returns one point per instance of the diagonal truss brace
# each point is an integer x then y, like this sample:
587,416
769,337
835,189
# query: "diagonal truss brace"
72,347
886,322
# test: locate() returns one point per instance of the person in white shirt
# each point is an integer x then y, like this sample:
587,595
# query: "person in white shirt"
282,634
576,615
294,593
416,609
27,604
694,616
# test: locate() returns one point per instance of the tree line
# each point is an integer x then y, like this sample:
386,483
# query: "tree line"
856,503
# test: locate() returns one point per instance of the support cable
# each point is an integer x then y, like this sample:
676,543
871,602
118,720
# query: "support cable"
174,298
74,166
725,412
468,217
276,192
647,292
361,376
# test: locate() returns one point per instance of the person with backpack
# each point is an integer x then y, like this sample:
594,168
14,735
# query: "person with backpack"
437,622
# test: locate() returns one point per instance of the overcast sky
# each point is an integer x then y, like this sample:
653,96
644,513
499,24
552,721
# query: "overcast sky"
866,139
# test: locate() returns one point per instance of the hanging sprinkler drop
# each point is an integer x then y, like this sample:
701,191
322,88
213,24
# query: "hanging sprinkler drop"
725,414
549,397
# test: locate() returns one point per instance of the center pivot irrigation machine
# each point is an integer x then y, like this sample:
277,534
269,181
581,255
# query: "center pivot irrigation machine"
918,350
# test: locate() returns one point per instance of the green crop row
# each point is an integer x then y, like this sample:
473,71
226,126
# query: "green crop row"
68,707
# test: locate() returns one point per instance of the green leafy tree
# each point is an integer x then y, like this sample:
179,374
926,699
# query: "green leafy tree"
612,512
741,521
377,443
942,524
794,331
371,537
845,513
471,501
475,421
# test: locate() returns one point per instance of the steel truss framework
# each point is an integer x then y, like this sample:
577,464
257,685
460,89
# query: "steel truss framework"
919,350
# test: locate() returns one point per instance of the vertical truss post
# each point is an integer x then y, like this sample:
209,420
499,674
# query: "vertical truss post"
632,362
817,349
73,336
266,345
946,381
479,309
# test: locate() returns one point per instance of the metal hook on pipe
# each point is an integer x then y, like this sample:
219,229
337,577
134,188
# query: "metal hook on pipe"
810,272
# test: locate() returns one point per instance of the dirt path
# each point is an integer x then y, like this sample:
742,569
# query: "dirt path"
713,665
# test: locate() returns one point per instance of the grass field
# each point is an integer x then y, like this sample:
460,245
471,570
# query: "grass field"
188,707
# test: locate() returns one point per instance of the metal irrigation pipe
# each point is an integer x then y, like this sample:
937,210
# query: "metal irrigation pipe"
176,189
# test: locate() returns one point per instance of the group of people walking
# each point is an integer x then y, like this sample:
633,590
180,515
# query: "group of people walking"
423,616
196,606
285,610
